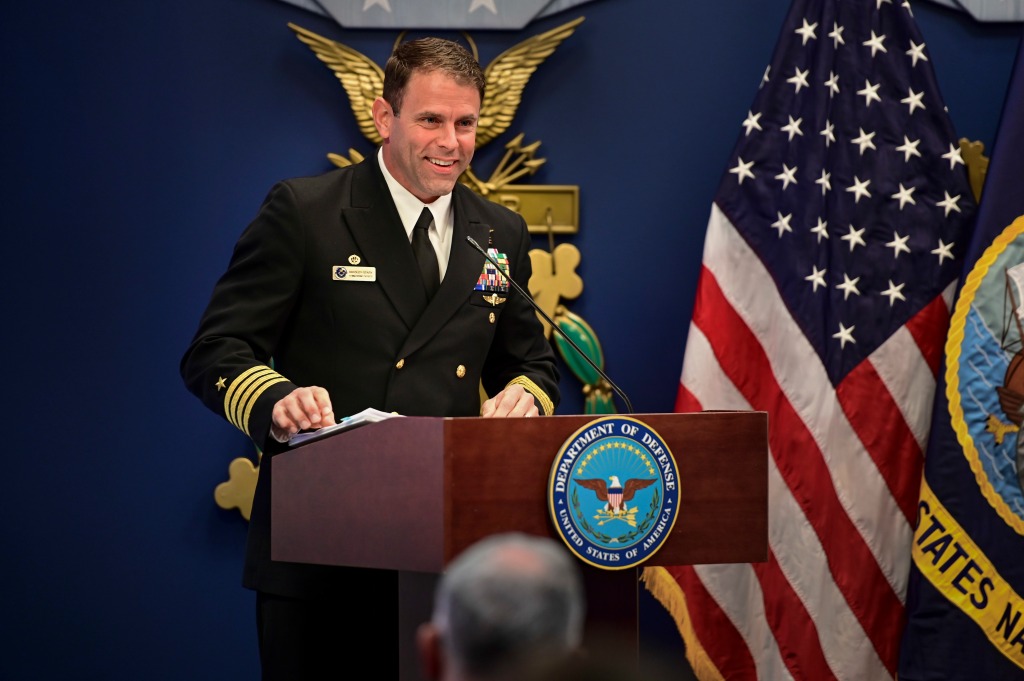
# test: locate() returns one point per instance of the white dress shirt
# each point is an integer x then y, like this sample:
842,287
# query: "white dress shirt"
410,208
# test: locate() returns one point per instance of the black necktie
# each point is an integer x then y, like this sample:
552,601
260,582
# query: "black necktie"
425,255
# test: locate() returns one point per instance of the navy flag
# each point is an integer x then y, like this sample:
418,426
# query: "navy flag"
965,601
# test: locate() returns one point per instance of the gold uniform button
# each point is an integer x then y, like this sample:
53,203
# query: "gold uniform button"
400,363
460,371
490,317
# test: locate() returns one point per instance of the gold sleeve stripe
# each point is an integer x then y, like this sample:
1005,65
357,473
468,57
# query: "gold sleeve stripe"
256,394
231,392
238,386
247,395
243,402
244,391
547,406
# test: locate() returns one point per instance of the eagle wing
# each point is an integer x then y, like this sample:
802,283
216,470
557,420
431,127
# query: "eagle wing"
508,74
362,79
634,484
599,486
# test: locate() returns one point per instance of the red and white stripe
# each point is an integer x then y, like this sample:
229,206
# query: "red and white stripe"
844,475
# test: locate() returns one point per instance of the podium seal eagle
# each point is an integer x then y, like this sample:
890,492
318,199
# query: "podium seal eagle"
613,492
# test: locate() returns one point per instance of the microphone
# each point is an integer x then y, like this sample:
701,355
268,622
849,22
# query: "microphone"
472,242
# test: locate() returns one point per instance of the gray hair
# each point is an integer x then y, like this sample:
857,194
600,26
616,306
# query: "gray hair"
509,600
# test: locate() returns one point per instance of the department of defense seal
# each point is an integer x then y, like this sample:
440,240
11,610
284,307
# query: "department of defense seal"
613,492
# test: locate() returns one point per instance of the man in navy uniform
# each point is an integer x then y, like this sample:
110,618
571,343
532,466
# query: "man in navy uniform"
356,289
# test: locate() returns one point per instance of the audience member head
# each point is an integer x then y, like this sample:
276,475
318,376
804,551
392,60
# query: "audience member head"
505,608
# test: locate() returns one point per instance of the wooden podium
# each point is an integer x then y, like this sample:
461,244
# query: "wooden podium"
410,493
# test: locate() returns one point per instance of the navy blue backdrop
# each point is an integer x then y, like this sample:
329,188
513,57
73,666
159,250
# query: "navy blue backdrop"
137,141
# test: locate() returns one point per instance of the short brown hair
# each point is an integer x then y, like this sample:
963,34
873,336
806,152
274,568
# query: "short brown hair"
429,54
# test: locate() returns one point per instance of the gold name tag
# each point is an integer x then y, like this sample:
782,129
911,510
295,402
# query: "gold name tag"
349,273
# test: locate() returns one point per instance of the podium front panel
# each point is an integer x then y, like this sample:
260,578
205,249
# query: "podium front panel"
411,493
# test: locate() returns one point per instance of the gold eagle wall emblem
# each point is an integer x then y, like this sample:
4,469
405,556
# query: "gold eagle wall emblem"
506,77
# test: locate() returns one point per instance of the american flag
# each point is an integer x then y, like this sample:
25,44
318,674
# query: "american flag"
831,256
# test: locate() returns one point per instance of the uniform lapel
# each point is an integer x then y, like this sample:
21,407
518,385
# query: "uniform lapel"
464,268
376,227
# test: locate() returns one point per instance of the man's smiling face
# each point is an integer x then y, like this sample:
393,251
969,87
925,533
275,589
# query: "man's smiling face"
430,141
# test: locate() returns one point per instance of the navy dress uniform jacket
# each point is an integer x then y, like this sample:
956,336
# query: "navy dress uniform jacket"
279,319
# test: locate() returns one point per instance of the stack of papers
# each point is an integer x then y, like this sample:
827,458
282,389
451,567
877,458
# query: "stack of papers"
355,420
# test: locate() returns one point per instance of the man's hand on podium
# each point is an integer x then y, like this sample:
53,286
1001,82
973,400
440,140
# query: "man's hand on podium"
301,409
513,401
